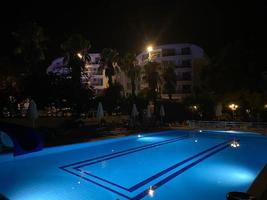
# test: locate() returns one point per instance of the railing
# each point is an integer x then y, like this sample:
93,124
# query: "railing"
227,125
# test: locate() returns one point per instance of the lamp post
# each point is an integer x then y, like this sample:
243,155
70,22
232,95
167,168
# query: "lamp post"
233,107
194,109
149,49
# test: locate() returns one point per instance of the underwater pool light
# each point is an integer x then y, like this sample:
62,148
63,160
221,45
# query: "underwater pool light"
235,144
139,135
151,191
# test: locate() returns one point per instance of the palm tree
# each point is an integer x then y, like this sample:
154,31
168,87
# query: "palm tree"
108,63
76,50
152,71
132,70
169,78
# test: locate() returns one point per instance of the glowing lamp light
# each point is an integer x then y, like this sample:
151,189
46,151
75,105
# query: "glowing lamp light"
265,106
194,108
196,140
139,135
149,49
235,144
151,191
200,131
79,55
233,106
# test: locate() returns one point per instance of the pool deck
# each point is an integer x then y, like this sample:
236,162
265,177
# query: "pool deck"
85,135
57,133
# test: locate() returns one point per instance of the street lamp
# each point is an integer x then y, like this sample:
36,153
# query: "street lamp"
194,109
149,49
233,107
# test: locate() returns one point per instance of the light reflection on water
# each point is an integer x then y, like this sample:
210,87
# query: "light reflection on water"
227,174
151,139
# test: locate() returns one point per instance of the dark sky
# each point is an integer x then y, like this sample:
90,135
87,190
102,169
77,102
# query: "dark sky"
130,25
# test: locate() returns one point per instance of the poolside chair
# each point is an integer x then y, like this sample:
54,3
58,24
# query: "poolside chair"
23,139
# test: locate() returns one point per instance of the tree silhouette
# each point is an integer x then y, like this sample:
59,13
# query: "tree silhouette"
132,70
109,63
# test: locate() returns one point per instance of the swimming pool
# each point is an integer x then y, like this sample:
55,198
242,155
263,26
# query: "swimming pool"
169,165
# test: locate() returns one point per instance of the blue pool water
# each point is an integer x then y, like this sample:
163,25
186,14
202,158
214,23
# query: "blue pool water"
186,165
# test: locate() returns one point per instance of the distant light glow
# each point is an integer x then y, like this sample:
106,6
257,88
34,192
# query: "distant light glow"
79,55
149,49
233,106
139,135
196,140
231,131
151,192
200,131
265,106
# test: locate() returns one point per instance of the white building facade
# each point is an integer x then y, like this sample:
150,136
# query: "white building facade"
91,76
182,57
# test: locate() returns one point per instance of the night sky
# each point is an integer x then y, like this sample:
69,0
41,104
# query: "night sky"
131,25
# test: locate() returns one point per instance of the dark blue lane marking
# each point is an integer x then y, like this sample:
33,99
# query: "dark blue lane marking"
125,153
142,183
172,176
157,185
129,152
91,159
160,183
137,186
105,187
104,180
